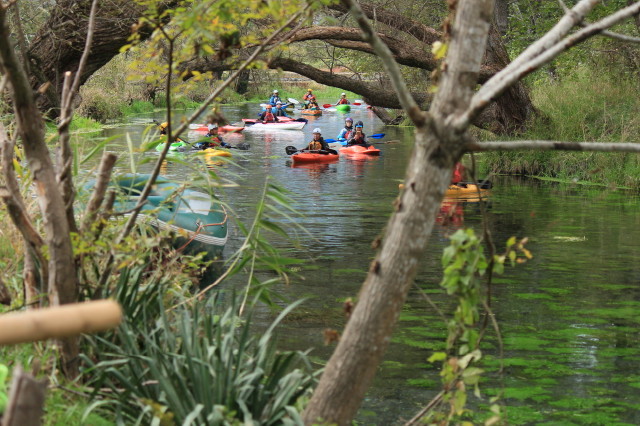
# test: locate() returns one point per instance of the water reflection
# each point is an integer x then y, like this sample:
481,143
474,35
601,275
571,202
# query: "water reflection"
568,317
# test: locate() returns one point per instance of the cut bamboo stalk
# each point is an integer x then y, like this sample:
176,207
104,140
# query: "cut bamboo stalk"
60,321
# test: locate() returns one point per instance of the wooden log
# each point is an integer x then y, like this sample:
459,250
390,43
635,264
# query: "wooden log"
26,400
61,321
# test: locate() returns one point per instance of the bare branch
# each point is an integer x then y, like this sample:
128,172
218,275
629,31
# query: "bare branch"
100,189
538,145
543,51
390,65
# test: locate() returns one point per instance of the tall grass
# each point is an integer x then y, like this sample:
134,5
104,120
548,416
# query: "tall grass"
585,107
198,365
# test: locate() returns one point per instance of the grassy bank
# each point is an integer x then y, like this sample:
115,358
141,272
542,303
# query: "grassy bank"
587,107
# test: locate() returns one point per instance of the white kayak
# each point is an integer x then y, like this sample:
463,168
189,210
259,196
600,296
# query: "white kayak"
287,125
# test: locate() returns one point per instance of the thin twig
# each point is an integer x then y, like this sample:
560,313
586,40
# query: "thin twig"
436,400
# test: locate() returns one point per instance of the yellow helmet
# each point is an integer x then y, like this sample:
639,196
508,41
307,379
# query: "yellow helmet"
164,125
310,90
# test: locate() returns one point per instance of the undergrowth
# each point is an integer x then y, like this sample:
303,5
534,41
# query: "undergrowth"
586,107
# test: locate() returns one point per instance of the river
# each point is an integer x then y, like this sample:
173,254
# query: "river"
569,318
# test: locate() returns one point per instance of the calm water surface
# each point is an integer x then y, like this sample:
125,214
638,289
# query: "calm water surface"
569,318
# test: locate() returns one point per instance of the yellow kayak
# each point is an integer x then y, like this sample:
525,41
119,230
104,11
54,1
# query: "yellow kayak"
468,190
215,152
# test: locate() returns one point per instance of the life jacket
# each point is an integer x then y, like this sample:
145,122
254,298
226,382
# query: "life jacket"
358,139
308,97
349,133
315,145
269,117
215,141
343,102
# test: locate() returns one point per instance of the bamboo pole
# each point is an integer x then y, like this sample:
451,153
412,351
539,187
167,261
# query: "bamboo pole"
61,321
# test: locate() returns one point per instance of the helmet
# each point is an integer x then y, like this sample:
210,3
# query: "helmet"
359,124
164,125
278,103
343,94
275,91
310,90
213,126
269,106
348,119
317,130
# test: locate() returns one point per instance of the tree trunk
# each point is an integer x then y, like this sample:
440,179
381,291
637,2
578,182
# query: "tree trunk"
437,148
26,400
62,280
242,85
58,46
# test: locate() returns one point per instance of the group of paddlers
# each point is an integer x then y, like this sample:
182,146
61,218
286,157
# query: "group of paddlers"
353,135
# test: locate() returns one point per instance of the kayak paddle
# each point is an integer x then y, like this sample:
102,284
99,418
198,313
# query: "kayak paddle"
327,106
377,135
356,103
293,101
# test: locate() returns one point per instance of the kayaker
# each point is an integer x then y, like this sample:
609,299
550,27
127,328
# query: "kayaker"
268,116
458,174
343,100
348,131
358,138
313,105
214,141
308,97
163,131
318,143
280,110
274,98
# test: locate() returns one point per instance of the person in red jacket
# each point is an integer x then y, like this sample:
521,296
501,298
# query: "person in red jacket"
268,116
343,100
458,174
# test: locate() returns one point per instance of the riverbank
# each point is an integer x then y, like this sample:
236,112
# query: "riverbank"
582,108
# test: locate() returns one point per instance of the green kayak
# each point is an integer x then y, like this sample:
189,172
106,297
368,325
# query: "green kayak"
197,220
176,146
343,108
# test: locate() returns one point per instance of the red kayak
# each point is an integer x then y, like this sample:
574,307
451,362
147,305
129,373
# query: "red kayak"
359,149
313,157
221,129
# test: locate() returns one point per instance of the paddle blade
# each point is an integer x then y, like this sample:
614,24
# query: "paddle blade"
327,106
330,140
291,150
377,135
293,101
243,146
356,103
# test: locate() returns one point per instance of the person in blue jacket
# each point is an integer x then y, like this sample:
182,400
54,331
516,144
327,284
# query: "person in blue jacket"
348,131
280,110
274,98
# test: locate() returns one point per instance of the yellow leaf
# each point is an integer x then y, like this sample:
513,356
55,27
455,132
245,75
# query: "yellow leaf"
439,49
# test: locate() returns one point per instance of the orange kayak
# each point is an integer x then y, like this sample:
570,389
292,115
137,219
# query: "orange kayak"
313,157
359,149
311,112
